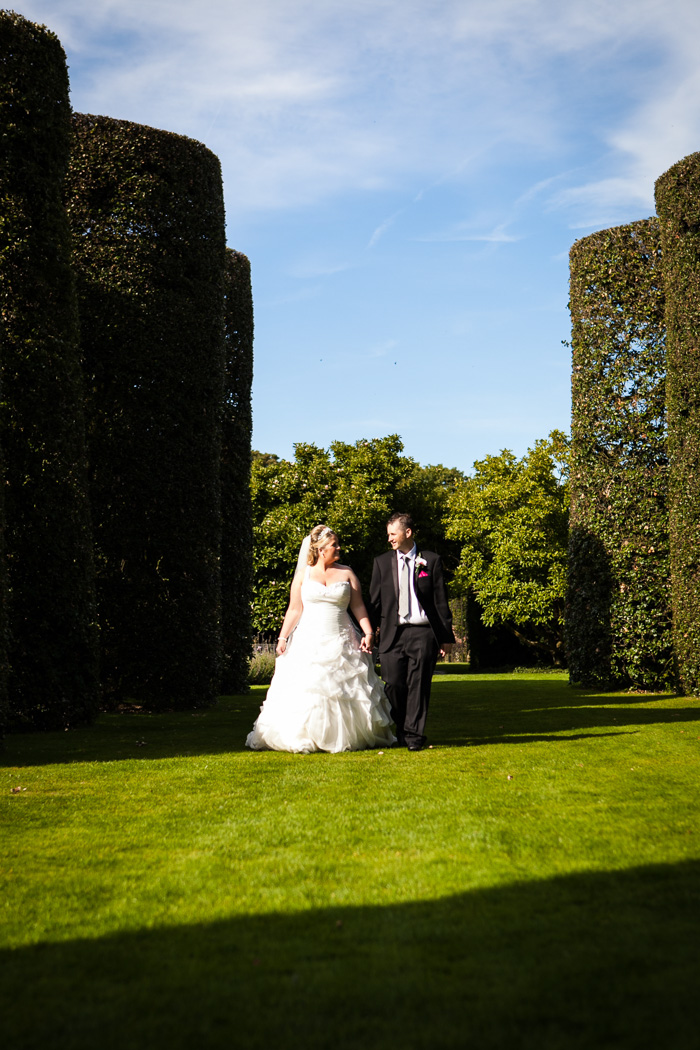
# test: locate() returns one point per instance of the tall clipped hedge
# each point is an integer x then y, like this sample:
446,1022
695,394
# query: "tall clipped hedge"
237,535
678,207
619,607
53,641
146,210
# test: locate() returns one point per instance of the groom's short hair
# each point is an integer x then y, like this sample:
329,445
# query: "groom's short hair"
404,520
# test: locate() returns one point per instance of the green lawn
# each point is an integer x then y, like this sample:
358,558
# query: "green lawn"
531,881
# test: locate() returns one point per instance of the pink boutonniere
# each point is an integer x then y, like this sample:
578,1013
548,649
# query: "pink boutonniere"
421,571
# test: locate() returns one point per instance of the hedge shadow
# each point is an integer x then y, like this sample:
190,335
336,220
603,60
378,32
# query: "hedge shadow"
594,959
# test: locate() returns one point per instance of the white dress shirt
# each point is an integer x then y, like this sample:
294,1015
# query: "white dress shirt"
416,616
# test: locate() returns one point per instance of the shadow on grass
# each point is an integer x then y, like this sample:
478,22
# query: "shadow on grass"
492,711
473,710
599,960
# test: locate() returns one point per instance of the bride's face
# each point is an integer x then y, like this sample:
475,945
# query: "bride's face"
331,551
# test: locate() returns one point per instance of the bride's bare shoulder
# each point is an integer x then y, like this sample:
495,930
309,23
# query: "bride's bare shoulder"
347,573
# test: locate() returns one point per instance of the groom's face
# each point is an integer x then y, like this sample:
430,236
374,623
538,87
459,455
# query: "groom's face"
399,538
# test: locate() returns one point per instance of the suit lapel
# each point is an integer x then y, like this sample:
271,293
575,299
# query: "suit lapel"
395,573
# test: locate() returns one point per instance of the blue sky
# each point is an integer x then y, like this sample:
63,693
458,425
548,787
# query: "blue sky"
407,178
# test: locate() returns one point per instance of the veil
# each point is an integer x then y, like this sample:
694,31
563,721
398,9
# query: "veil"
300,570
303,556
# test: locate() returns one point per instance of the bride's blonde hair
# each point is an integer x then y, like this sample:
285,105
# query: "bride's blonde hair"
318,538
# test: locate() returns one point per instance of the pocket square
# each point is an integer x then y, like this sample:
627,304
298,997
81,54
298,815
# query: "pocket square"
421,573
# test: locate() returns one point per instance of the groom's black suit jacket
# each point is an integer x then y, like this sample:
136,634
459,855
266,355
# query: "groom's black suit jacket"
383,606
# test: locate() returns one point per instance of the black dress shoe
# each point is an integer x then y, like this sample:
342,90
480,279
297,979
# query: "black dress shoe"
416,747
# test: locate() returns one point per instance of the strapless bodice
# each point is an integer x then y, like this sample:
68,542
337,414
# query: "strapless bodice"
325,605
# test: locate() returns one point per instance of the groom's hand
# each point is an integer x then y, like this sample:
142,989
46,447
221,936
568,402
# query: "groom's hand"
446,648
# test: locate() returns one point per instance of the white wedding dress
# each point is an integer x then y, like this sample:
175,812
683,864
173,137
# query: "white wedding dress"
325,694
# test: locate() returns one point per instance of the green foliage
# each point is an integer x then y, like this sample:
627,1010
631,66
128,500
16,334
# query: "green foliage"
53,651
511,520
237,530
147,215
348,487
351,488
678,206
618,605
427,492
261,667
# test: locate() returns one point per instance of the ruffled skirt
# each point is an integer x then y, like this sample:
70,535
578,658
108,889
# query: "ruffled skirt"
325,696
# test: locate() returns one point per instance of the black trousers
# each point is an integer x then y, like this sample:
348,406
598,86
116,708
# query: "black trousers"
407,670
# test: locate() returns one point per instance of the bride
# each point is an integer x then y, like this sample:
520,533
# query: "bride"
325,694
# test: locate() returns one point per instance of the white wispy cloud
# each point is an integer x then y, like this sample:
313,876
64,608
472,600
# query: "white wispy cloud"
657,135
313,265
380,230
463,232
308,99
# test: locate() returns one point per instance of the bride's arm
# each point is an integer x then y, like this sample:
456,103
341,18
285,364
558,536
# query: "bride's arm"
291,617
359,611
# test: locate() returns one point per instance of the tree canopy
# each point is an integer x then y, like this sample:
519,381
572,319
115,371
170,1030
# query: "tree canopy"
511,520
502,533
351,488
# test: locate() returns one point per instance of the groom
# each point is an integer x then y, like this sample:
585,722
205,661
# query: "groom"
408,603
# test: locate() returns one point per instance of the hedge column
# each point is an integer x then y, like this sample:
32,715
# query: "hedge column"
146,208
618,608
53,650
237,539
678,207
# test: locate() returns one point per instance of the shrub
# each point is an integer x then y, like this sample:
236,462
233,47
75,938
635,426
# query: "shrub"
678,206
146,209
261,667
53,651
237,534
618,605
